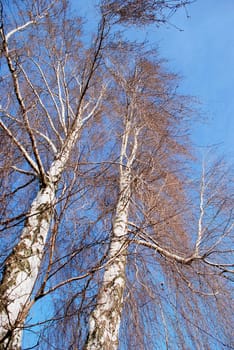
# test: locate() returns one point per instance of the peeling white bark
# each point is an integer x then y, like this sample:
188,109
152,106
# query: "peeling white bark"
22,266
105,320
202,211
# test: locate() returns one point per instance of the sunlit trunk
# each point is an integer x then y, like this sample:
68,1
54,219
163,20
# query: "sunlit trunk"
23,264
21,268
105,319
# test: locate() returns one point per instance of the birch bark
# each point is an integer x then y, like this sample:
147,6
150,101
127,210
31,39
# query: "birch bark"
104,322
22,266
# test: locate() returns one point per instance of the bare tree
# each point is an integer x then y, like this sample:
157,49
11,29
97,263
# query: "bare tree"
155,202
43,118
104,226
175,285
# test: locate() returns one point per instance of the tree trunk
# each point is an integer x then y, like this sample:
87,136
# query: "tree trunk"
105,319
23,264
21,267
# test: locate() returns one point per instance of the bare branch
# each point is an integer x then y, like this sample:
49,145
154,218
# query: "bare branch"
21,148
34,21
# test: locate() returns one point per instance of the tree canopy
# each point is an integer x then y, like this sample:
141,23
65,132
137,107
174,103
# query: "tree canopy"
112,235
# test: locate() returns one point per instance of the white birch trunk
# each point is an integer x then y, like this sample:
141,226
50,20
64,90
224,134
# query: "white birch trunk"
105,320
22,266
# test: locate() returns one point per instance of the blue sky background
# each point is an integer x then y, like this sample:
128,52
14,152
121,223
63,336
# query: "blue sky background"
203,54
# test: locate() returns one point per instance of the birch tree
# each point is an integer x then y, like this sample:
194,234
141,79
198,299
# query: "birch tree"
169,224
106,317
156,234
43,119
103,223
